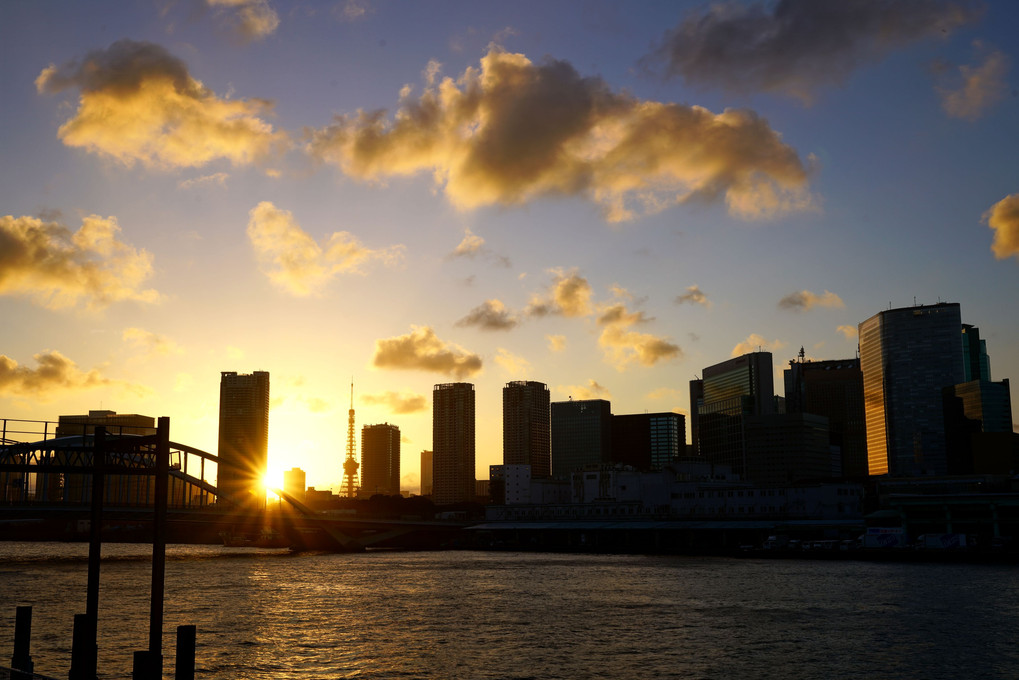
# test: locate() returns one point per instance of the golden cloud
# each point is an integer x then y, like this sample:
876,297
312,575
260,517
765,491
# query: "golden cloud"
976,88
137,102
754,343
397,402
556,343
153,343
250,19
795,46
804,300
513,365
623,346
295,262
592,390
511,131
491,315
849,332
56,373
569,295
694,295
45,261
422,350
1003,218
470,246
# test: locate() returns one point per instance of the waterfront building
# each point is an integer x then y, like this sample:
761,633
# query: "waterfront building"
908,355
380,460
728,392
976,363
978,428
581,435
510,484
294,481
526,427
243,437
453,443
782,448
833,389
648,441
426,473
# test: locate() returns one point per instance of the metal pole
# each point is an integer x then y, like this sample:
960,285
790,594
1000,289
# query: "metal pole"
184,667
22,659
89,645
159,547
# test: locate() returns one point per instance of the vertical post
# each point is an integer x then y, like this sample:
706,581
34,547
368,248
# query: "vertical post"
83,649
159,546
184,666
22,659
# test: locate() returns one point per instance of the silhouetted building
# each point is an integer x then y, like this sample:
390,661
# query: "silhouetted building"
978,428
976,363
526,427
509,484
294,481
243,436
453,443
908,355
581,435
742,386
833,389
696,403
648,441
380,460
426,473
782,448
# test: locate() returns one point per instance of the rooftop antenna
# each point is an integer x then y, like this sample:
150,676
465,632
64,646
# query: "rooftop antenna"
801,354
350,464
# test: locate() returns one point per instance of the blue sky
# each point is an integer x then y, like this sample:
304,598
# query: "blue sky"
602,196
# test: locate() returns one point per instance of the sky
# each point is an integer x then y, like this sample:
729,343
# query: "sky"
602,196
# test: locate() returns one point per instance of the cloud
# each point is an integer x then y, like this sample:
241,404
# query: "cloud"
57,268
153,343
422,350
511,131
623,346
249,19
664,393
491,315
473,245
1003,218
219,178
569,295
590,391
849,332
694,295
793,47
513,365
295,262
56,373
804,300
556,343
755,342
974,89
352,10
137,102
397,402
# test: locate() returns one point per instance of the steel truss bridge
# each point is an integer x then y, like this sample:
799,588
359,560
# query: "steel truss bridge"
47,483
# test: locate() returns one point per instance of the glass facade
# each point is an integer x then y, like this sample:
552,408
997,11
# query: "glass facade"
581,435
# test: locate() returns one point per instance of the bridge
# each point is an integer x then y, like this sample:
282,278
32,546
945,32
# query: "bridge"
47,488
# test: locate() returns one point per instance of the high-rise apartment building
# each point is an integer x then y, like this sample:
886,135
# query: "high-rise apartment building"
380,460
581,435
243,436
729,391
426,473
295,483
648,441
526,427
908,356
453,443
833,389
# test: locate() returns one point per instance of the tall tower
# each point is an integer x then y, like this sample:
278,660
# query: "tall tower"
380,460
907,356
453,443
350,464
526,427
581,435
243,436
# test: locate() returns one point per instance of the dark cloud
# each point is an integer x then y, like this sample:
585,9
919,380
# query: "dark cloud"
422,350
796,46
398,403
55,373
491,315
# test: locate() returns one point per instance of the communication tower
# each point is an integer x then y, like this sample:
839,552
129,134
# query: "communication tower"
350,464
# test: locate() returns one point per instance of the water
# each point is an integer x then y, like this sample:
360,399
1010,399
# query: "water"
264,614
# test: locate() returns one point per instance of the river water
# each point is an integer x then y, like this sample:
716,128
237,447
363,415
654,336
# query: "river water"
267,614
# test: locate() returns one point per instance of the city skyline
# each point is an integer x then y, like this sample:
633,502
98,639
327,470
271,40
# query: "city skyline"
143,256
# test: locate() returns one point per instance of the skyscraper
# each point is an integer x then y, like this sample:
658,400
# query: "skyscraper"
426,473
581,435
380,460
526,427
453,443
243,436
908,355
648,441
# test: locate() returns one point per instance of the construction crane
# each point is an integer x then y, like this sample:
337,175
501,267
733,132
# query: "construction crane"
350,464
